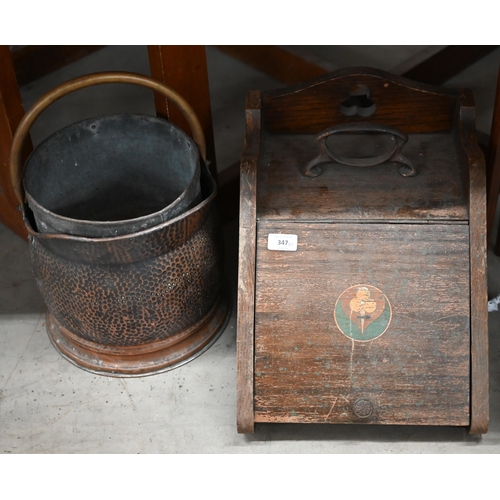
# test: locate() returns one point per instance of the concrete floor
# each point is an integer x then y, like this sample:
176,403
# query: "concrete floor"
48,405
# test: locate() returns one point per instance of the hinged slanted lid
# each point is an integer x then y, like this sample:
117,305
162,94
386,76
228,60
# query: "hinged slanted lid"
363,146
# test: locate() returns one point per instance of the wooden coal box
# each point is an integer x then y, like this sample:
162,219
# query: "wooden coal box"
362,262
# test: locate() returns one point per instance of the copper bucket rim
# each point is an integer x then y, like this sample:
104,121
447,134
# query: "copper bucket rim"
160,216
17,167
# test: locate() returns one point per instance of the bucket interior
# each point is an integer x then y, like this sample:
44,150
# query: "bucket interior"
112,168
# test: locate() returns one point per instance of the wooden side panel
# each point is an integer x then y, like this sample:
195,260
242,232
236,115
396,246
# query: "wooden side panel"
11,112
314,362
246,268
315,105
478,256
184,69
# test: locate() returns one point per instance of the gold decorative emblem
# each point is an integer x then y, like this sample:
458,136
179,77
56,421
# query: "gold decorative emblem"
362,312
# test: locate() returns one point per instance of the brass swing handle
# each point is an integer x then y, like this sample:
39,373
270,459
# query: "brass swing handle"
314,168
17,170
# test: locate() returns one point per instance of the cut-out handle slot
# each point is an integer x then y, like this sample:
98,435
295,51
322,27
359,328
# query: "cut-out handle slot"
359,102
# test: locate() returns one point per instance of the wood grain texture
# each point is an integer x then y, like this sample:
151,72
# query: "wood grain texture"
11,112
353,193
478,257
417,372
184,69
313,106
420,241
246,267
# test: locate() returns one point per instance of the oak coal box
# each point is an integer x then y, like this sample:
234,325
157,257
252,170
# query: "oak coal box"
362,264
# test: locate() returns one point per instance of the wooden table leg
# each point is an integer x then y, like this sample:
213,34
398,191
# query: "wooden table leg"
184,69
289,68
11,112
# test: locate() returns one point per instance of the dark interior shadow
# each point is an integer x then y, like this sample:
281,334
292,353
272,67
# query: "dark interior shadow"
18,291
364,433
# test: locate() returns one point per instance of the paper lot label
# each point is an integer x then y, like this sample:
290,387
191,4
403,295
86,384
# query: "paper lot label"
282,242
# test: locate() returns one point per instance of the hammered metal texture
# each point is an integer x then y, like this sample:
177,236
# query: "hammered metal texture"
146,244
137,289
134,303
